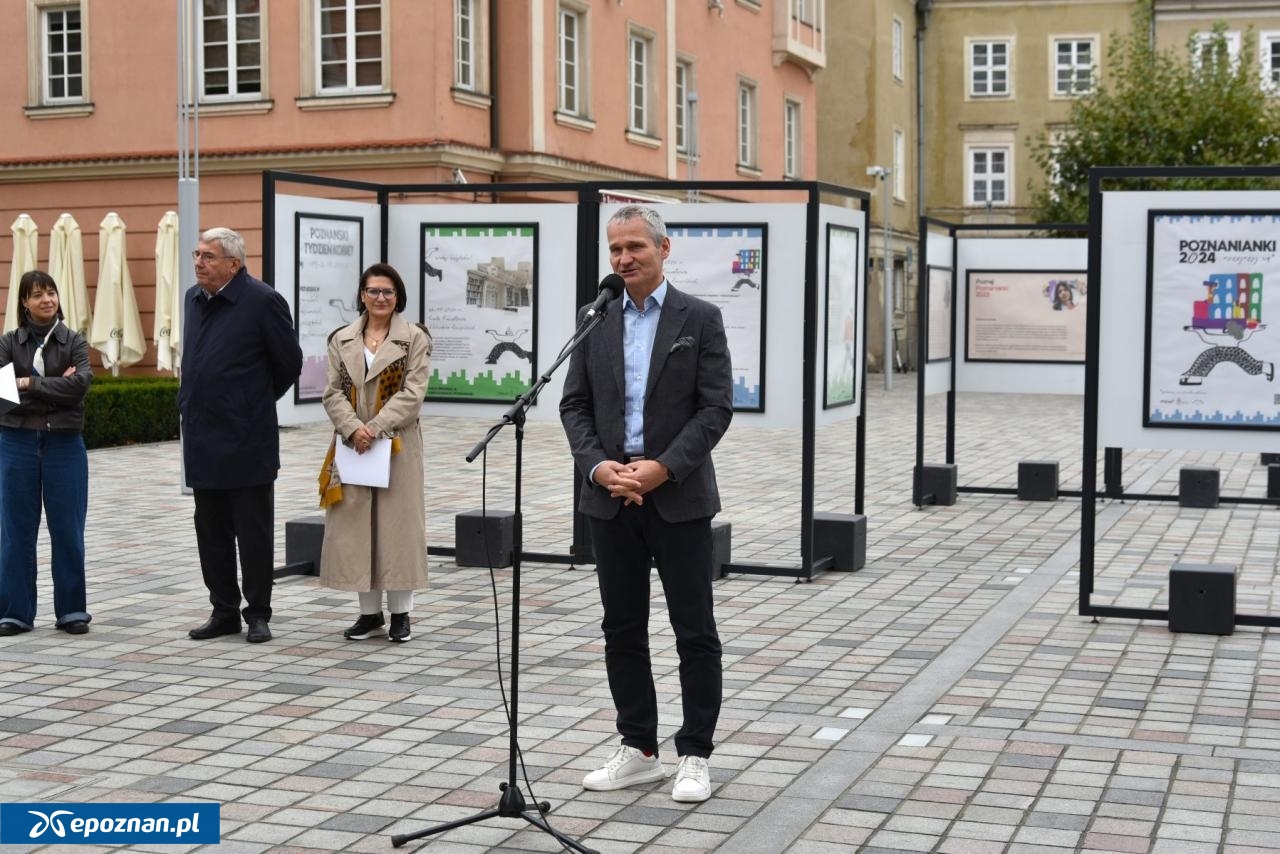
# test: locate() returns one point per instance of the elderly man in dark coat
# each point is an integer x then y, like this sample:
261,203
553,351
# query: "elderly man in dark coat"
239,356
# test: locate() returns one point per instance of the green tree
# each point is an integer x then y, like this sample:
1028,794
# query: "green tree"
1158,107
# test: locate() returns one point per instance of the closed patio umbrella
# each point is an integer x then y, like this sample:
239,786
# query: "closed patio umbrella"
117,326
24,259
66,265
168,325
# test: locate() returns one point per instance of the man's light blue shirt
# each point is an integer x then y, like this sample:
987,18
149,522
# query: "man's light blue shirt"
639,326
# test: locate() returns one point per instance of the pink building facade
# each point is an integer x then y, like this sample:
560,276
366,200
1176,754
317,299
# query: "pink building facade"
389,91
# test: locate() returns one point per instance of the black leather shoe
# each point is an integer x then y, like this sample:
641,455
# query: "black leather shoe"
215,628
7,629
259,631
399,631
365,627
75,627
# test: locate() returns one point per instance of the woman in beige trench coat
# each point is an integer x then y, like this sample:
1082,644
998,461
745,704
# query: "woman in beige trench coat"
375,538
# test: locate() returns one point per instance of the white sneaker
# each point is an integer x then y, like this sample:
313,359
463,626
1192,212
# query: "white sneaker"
693,780
626,767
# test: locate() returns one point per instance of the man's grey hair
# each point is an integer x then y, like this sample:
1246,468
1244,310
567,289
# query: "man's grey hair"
657,228
231,242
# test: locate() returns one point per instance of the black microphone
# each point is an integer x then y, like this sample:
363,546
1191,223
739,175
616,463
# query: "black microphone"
610,288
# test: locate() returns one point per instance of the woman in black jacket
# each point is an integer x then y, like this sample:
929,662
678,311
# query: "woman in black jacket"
42,458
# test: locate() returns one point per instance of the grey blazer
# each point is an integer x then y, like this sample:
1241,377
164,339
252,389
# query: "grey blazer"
687,408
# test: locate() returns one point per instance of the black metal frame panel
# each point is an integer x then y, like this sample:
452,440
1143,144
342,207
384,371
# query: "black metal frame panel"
1098,175
922,344
589,194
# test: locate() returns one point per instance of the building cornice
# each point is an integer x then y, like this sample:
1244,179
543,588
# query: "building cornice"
411,153
510,167
1213,8
536,166
999,4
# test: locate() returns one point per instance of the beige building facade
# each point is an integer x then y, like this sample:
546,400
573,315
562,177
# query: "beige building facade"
390,91
950,93
869,124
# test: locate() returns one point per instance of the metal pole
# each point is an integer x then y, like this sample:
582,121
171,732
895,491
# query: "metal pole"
691,138
188,133
888,286
188,165
883,174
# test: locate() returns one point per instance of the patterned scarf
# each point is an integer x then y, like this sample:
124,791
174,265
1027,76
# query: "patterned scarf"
390,381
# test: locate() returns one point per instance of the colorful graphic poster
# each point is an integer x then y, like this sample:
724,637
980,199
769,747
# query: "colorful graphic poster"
840,386
725,265
330,258
940,298
478,283
1213,284
1025,316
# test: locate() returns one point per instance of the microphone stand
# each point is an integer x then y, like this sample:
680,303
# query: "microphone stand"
511,803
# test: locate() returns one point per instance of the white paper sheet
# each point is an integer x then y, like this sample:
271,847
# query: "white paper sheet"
372,468
9,397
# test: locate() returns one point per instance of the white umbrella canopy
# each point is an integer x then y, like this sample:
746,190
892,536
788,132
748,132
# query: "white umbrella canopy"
117,326
168,325
25,234
66,266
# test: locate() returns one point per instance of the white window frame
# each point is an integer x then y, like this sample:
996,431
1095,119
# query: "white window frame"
465,44
640,74
988,69
1233,46
792,138
899,285
984,151
683,85
1267,39
899,164
804,11
897,38
1055,84
350,85
748,121
47,57
232,44
572,72
37,106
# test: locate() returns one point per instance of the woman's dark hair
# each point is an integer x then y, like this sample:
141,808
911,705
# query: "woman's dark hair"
31,280
387,272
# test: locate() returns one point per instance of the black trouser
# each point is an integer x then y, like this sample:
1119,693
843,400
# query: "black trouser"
224,519
624,547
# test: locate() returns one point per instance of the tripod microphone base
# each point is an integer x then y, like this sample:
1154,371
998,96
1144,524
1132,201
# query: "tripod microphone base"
511,804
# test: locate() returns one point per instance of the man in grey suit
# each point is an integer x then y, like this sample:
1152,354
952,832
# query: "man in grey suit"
646,398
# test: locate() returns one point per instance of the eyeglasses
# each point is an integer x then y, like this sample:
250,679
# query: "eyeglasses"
380,293
207,257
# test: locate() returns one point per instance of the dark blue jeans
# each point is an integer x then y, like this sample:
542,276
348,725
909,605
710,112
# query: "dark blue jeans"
50,468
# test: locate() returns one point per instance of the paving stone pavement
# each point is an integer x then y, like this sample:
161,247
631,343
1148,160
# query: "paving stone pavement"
946,697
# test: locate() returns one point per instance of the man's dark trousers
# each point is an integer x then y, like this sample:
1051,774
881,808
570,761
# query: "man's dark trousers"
624,546
224,517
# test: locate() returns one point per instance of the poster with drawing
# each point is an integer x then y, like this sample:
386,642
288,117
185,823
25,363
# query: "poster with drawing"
330,258
1211,353
940,298
840,365
725,265
478,294
1025,316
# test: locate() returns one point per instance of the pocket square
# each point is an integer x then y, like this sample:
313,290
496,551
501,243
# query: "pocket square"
683,343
